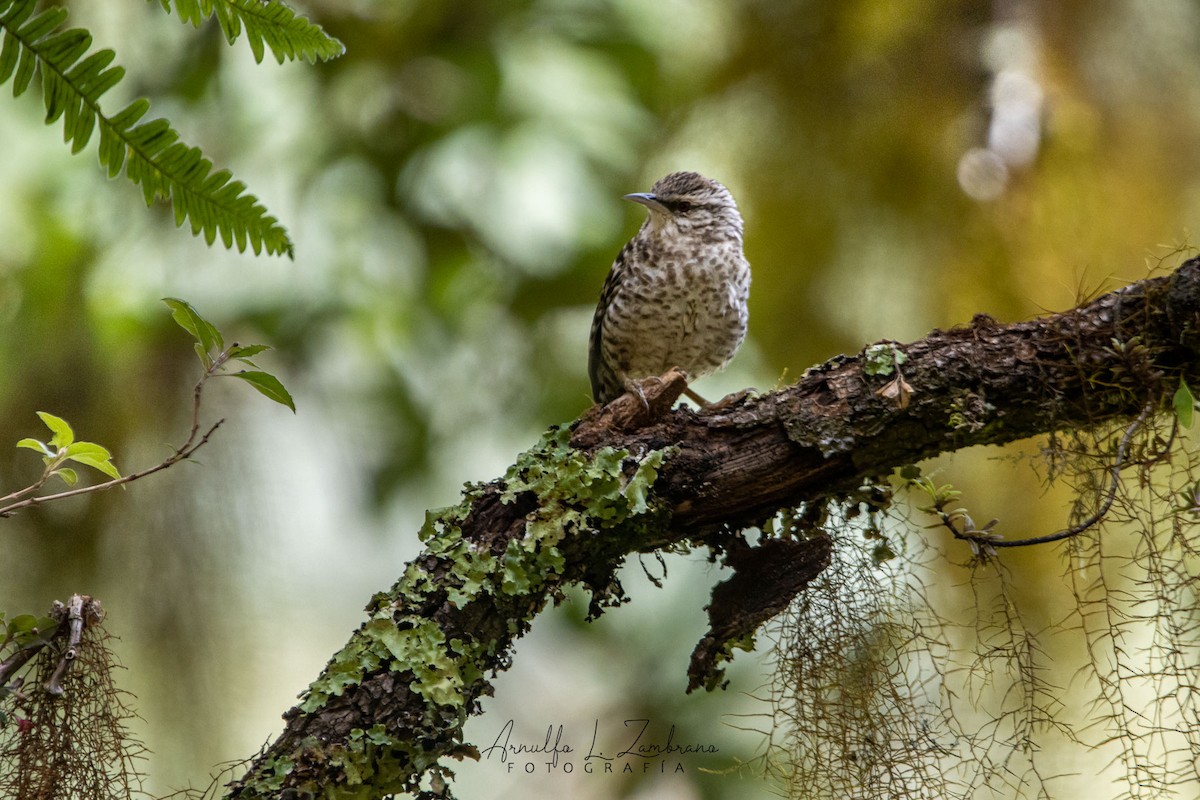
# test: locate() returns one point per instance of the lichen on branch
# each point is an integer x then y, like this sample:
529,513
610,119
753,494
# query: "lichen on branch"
393,701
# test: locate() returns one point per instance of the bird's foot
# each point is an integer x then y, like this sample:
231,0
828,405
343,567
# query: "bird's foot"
644,388
643,402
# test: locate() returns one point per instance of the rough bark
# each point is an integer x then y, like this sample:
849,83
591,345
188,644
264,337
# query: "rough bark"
376,723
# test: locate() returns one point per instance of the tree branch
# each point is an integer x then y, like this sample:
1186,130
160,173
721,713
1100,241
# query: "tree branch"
631,477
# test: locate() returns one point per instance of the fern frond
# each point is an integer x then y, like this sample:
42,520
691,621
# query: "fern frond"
289,35
151,153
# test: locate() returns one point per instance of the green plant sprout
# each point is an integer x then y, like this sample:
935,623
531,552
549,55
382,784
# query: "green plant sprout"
63,448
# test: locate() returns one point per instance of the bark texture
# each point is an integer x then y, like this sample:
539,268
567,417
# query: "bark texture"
841,425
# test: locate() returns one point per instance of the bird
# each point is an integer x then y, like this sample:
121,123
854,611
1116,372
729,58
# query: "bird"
676,295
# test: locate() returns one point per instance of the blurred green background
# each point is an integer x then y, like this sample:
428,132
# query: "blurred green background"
453,185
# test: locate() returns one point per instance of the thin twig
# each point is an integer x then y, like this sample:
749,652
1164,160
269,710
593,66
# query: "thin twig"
74,621
28,489
989,540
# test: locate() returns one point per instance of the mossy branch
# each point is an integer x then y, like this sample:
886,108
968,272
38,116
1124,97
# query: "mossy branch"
390,706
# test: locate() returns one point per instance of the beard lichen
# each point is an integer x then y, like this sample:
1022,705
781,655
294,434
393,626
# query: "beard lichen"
893,679
70,737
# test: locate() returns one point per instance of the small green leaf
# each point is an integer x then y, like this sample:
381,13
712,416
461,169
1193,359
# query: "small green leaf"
89,449
268,385
190,320
244,352
103,466
1185,404
910,472
26,629
63,435
70,477
94,456
205,358
34,444
46,625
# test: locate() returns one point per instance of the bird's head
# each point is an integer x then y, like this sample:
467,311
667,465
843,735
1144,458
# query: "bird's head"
690,203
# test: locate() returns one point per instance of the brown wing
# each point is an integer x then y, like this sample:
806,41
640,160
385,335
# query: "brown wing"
605,384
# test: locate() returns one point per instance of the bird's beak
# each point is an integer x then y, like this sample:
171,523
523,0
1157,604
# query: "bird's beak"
646,199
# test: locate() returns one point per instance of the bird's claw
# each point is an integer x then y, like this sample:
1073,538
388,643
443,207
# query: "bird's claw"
638,388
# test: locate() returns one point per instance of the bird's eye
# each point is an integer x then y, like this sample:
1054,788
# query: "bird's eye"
678,205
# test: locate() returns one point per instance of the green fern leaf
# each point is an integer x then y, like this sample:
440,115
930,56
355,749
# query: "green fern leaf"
150,153
8,58
270,22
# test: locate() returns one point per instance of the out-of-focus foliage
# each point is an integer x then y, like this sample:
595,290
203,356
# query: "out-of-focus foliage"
453,187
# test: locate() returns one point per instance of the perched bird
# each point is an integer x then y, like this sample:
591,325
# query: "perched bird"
676,295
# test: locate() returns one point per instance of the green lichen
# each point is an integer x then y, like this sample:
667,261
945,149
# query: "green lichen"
403,643
604,487
715,679
575,492
269,776
971,413
372,761
570,493
882,359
